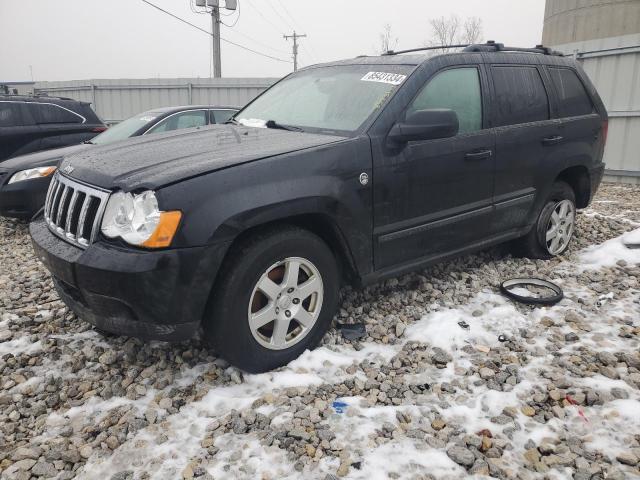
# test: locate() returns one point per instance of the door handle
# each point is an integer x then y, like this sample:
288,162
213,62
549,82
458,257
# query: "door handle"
556,139
478,155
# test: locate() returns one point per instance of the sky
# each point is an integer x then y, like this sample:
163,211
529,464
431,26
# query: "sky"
91,39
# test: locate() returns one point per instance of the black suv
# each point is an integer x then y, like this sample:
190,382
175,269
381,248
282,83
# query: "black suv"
354,170
29,124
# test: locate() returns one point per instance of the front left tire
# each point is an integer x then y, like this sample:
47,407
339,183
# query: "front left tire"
275,298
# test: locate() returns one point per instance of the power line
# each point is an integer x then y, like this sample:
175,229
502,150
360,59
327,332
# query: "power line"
312,52
236,31
271,24
284,20
210,34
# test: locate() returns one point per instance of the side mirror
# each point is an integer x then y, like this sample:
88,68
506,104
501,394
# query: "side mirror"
425,125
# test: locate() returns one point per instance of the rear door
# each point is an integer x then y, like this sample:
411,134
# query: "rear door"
18,132
526,140
580,123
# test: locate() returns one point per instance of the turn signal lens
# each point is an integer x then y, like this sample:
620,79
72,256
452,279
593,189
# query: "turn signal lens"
164,232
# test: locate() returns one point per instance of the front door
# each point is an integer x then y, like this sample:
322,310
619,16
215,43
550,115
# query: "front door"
434,197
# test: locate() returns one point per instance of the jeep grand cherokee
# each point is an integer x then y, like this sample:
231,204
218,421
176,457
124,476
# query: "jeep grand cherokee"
359,170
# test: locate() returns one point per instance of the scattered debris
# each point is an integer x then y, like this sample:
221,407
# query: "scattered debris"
544,293
352,331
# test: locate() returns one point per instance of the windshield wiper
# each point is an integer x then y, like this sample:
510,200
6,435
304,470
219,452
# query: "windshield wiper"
280,126
233,121
88,142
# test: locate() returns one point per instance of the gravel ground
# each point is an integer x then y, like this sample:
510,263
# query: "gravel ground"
429,392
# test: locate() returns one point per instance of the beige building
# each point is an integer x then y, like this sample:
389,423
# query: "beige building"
604,35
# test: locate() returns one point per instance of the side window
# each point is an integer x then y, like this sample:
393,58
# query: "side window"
11,115
221,116
49,113
457,89
572,96
520,95
195,118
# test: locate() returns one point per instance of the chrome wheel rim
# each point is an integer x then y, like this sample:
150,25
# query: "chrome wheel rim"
560,227
285,303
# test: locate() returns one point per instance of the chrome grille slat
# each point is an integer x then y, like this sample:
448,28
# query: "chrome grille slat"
63,205
70,210
83,217
54,199
47,202
63,199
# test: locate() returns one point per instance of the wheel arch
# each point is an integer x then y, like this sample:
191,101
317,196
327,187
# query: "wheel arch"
318,223
579,179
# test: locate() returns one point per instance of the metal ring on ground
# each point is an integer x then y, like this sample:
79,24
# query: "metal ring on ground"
538,282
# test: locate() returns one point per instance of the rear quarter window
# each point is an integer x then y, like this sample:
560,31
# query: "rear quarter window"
47,113
573,99
520,95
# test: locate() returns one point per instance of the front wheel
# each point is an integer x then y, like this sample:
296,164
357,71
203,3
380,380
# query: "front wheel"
554,228
276,296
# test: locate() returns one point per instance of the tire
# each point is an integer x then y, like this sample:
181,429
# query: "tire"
535,243
267,260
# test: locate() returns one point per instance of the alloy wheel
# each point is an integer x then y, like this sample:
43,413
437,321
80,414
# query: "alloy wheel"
285,303
560,227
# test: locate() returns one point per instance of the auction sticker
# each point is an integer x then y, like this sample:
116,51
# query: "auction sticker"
382,77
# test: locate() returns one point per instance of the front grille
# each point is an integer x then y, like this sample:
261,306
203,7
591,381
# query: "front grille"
73,210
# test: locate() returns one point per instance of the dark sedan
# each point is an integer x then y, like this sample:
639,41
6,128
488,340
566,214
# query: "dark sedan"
24,180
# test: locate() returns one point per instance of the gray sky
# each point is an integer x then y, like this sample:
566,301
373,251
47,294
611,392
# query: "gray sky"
83,39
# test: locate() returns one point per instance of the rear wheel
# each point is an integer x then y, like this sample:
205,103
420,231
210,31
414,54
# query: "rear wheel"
554,229
275,298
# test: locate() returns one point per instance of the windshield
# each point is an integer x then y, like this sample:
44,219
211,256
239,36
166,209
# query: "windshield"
326,99
124,129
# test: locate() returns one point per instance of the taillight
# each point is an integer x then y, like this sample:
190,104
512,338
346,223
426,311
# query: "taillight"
605,130
99,129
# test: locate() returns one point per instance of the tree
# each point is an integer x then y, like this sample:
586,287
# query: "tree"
387,41
453,31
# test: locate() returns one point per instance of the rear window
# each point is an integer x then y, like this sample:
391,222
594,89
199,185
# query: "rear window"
11,115
573,99
50,113
520,95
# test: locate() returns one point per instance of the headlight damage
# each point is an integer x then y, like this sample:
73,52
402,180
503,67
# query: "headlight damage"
39,172
138,220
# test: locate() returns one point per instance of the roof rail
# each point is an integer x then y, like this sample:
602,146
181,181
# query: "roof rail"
492,46
421,49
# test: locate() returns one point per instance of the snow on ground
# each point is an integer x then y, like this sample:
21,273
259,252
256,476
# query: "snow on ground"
453,380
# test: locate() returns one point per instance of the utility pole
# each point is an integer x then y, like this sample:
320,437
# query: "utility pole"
215,39
295,37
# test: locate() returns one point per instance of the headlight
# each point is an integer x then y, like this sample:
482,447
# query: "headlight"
30,173
138,220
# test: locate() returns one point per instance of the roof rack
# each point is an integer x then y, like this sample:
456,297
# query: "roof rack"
490,46
421,49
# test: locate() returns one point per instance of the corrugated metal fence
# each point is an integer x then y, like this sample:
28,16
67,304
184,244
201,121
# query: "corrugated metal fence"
613,65
116,100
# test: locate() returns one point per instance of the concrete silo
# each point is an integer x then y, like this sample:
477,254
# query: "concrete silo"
604,35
